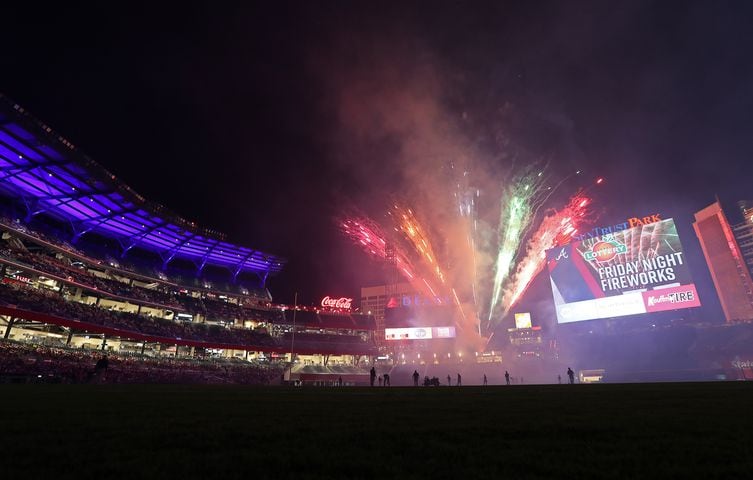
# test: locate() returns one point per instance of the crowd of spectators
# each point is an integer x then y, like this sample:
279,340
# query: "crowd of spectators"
322,319
223,319
53,304
22,362
94,255
216,309
212,309
326,338
66,271
338,369
324,342
51,239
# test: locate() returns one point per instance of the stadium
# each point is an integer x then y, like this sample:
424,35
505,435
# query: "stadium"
90,267
316,240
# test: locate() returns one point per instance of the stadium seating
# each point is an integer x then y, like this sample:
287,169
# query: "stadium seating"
82,252
126,323
25,363
336,344
225,318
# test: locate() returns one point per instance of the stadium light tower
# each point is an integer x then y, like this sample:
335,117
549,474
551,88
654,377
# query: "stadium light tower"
390,290
292,338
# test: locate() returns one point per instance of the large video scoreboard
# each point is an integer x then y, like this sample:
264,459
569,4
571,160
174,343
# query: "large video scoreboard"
419,322
627,272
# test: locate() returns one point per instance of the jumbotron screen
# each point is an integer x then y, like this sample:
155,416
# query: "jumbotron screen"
419,333
629,272
419,322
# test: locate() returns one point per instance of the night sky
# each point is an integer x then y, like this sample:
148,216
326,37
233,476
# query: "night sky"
265,121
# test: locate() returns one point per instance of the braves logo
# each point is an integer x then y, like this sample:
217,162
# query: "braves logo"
561,255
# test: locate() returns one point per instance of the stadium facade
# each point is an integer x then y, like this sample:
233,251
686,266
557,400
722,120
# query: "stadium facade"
88,263
744,233
723,247
374,301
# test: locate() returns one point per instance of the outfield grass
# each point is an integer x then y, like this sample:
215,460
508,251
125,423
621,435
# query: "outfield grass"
579,431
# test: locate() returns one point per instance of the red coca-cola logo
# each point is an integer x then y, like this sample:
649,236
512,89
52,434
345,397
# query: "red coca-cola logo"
341,302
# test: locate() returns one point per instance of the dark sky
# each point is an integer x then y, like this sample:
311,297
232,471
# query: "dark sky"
265,121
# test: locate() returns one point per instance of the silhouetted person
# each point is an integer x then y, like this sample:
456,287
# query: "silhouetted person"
372,376
571,375
559,379
100,368
449,381
507,377
387,380
380,380
460,380
101,364
485,382
340,382
415,378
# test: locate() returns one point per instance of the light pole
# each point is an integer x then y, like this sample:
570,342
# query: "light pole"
292,339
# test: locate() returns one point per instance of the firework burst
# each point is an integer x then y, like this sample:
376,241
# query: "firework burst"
518,208
417,237
556,228
370,237
511,264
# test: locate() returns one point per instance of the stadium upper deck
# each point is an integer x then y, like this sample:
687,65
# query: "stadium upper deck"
48,174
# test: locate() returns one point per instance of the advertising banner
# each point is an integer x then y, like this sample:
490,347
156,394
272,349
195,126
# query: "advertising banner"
628,272
419,333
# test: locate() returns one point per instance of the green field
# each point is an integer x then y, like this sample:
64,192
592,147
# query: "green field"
580,431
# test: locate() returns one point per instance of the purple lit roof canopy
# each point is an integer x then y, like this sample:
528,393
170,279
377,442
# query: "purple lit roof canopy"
48,174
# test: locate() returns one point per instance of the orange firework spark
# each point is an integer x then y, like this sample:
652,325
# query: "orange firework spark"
368,235
416,235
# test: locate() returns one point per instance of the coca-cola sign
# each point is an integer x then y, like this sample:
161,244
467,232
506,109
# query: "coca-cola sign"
341,302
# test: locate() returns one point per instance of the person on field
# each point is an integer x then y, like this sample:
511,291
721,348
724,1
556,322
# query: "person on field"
102,364
100,368
571,375
449,381
460,380
415,378
372,376
559,379
386,379
485,382
380,380
507,377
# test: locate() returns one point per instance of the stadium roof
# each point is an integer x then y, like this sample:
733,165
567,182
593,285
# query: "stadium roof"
52,177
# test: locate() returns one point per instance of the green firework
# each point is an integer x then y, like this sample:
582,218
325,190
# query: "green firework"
518,207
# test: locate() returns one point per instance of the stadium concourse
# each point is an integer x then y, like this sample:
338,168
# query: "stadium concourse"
89,267
48,297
